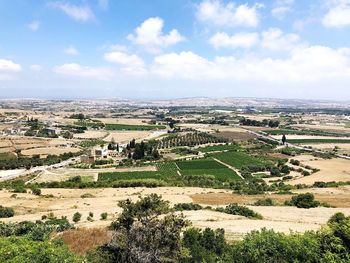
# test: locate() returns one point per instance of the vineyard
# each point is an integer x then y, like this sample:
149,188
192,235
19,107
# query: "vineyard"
188,139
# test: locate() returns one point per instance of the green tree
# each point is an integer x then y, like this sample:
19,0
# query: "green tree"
76,217
141,235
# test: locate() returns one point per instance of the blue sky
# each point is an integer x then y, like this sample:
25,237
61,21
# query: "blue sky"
175,48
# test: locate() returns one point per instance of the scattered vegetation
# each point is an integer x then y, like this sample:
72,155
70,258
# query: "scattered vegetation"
235,209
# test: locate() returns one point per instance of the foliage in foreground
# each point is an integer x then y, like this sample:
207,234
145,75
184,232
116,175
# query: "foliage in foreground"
25,250
148,232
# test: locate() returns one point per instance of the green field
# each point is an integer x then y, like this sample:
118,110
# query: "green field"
214,148
115,176
305,132
238,159
199,164
222,174
167,168
133,127
306,141
168,172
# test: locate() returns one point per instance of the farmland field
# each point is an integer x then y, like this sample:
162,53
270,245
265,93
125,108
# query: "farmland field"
115,176
133,127
168,171
238,159
223,174
305,132
303,141
214,148
199,164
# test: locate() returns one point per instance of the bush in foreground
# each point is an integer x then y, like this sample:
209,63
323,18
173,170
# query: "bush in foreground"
187,207
6,212
264,202
235,209
306,200
25,250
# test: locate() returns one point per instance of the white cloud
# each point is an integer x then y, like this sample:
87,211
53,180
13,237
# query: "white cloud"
103,4
244,40
280,11
313,64
72,51
8,68
124,59
219,14
281,8
149,34
338,14
36,67
276,39
73,69
184,65
34,25
81,13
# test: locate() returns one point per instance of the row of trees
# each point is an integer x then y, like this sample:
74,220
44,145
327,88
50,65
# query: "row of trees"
263,123
188,139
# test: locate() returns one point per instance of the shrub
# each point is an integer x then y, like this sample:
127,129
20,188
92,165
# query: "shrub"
274,171
36,191
76,217
19,189
285,169
295,162
187,207
6,212
306,200
265,202
235,209
104,216
305,173
87,195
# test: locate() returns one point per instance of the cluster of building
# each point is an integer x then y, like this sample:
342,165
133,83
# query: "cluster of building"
99,153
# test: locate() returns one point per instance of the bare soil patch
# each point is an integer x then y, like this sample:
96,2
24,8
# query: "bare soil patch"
235,136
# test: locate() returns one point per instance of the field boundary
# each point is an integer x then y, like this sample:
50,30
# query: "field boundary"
230,167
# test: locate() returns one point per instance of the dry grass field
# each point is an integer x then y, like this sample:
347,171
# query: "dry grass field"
335,169
68,201
49,151
129,121
126,136
91,135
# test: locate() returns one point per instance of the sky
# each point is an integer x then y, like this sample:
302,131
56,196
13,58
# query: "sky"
164,49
